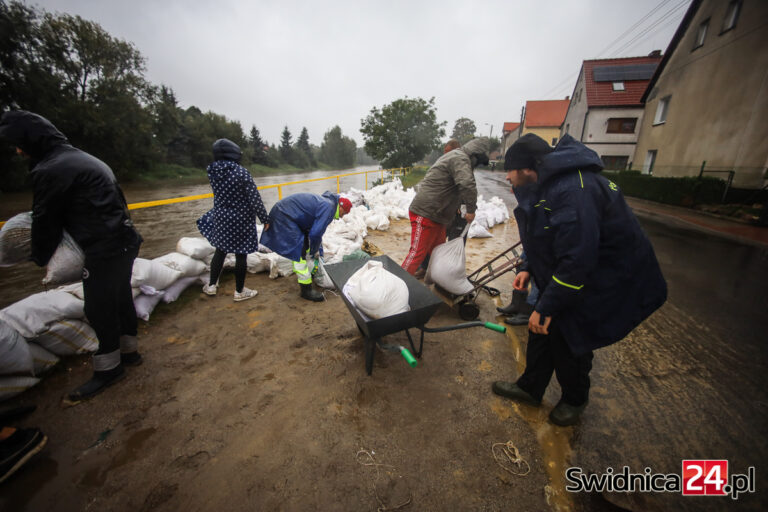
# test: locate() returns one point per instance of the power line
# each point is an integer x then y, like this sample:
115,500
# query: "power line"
664,17
633,27
675,20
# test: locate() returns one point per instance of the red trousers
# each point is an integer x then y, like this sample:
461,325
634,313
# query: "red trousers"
425,236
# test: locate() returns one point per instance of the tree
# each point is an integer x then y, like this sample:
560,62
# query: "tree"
286,150
302,147
402,132
464,130
259,155
338,150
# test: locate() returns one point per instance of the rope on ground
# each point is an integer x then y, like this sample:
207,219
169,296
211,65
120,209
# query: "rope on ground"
376,465
508,457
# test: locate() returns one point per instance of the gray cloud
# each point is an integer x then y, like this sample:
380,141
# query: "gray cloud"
318,64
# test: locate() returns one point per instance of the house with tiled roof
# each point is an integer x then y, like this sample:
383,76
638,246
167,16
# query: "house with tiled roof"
509,134
544,118
706,106
606,111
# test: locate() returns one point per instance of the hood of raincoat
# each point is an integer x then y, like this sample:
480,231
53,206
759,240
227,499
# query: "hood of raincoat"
569,155
33,133
225,149
477,146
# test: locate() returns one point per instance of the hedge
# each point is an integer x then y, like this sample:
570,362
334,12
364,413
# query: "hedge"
683,191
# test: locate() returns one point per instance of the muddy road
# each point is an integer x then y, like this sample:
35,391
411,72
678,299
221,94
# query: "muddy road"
265,404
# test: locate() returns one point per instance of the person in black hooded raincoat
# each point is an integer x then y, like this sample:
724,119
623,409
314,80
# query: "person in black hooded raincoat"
78,192
231,225
596,270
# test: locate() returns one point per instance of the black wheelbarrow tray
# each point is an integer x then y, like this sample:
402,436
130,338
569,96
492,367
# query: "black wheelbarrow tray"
423,305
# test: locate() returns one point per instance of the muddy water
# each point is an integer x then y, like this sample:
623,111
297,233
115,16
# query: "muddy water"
162,226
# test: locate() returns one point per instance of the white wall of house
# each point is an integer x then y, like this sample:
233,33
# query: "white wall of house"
574,118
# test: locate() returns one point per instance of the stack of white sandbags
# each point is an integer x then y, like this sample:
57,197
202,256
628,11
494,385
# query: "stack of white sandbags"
488,214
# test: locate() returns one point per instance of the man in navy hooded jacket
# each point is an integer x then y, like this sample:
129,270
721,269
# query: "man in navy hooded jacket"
78,192
596,270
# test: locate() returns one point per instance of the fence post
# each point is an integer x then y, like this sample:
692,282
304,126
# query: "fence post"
279,192
338,185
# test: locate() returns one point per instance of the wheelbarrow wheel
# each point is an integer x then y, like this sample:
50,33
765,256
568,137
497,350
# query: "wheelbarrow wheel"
468,311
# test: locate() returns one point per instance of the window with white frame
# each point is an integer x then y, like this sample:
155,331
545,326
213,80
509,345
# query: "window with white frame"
731,15
661,110
701,34
618,86
650,159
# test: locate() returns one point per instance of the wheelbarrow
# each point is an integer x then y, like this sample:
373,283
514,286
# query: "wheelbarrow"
423,304
507,261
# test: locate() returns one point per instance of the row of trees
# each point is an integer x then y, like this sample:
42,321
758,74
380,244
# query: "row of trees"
92,87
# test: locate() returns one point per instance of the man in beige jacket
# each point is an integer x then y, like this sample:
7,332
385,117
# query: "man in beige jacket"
449,183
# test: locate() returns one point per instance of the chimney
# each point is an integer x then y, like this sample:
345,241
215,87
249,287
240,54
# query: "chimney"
567,97
655,53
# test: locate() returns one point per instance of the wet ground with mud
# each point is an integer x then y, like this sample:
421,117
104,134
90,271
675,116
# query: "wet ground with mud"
265,404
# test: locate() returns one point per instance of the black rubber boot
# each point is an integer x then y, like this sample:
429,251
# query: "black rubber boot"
98,383
518,299
309,293
131,358
514,392
565,414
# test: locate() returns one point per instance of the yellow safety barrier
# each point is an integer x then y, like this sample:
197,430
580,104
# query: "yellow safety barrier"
401,171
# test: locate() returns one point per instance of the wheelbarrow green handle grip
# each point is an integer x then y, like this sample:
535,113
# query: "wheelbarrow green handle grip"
495,327
408,357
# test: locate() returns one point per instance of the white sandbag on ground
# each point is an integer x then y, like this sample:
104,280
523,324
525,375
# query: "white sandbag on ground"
33,315
68,337
197,248
257,262
42,360
15,358
377,292
16,240
321,278
145,304
151,273
176,289
186,265
476,230
448,268
279,266
12,386
75,289
66,264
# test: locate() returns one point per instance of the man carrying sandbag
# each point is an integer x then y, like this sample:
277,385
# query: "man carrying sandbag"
449,183
295,230
77,192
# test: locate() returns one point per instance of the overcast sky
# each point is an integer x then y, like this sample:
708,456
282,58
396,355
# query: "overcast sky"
319,64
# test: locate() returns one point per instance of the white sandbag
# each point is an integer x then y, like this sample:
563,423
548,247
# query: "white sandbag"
151,273
42,359
15,357
448,267
257,262
145,305
377,292
197,248
12,386
66,264
186,265
68,337
321,278
33,315
16,240
75,289
175,290
476,230
279,266
377,221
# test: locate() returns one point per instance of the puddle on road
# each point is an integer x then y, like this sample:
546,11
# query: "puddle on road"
128,453
554,441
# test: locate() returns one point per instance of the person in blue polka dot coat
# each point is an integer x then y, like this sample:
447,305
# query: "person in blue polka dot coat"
231,225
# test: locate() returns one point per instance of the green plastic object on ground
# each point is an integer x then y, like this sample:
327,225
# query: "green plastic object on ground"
495,327
408,357
357,255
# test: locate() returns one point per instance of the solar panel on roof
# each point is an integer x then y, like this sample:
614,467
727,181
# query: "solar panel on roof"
624,72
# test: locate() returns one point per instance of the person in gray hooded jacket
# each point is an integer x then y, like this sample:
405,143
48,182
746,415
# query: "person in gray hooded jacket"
449,183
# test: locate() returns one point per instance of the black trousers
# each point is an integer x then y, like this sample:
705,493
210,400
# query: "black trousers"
548,353
109,304
217,264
